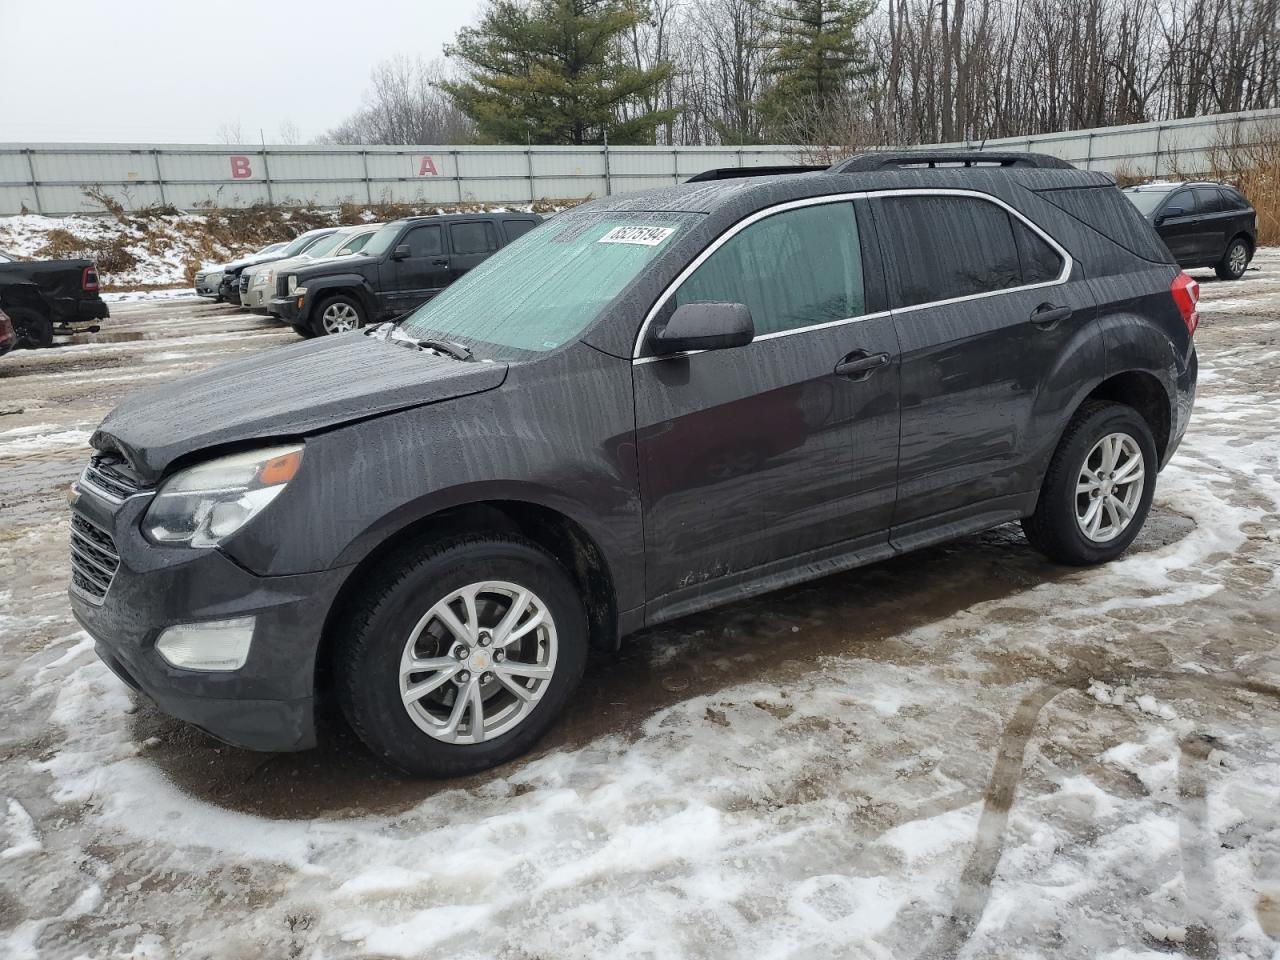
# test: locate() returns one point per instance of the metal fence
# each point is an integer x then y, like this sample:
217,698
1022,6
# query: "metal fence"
53,178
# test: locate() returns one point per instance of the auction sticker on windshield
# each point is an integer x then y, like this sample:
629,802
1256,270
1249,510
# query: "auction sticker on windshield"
645,236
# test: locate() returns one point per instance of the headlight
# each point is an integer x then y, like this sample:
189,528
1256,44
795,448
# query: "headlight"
262,278
205,504
293,283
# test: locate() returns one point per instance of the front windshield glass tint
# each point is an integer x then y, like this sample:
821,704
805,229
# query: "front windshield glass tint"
356,243
1146,200
296,246
324,245
548,286
381,241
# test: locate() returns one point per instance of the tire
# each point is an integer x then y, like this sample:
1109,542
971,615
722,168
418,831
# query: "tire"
304,330
1235,261
398,617
34,330
1057,528
336,310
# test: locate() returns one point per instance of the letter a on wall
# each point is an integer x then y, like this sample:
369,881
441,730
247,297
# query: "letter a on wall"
240,169
427,168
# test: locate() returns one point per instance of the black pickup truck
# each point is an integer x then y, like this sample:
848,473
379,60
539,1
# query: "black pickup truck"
47,296
403,265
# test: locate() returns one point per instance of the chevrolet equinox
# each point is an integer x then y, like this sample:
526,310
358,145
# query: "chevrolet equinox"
648,405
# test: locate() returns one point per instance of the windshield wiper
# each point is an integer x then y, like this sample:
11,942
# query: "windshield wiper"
392,333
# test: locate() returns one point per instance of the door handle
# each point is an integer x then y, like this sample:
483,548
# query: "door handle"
860,365
1046,316
440,261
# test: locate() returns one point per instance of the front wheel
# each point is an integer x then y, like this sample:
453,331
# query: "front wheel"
1235,261
338,315
461,655
1098,488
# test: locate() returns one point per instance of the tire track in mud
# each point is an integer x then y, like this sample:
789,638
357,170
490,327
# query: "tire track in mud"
980,870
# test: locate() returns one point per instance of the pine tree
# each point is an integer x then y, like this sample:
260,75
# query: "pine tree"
549,72
815,51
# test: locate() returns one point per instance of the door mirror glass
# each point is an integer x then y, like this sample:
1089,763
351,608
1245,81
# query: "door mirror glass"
401,252
706,326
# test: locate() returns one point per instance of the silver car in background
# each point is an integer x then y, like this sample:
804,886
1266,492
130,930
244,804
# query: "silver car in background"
209,279
261,279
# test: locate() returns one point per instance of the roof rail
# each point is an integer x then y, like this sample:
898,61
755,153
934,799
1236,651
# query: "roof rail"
733,173
897,159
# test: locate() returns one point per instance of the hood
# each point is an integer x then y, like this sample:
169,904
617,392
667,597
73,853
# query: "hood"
288,392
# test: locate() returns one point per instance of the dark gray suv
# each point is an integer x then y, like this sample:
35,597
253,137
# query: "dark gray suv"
651,405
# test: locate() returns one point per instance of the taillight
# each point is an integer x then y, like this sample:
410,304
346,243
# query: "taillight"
89,280
1186,294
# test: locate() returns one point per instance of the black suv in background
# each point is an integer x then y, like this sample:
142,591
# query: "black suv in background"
1203,224
651,405
44,297
402,266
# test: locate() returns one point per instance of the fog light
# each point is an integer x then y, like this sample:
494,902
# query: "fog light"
211,645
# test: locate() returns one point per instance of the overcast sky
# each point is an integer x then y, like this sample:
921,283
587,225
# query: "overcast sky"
172,71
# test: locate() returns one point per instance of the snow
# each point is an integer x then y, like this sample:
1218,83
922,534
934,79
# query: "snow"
1067,767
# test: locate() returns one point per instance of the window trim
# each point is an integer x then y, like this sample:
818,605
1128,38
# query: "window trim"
1068,263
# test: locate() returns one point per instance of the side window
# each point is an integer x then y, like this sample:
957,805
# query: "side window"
1182,200
425,241
517,228
354,245
1235,199
1040,262
473,236
792,269
943,247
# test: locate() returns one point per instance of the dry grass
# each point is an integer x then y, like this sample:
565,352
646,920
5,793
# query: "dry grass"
1253,168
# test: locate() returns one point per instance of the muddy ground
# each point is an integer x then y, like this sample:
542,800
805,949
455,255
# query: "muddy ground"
964,751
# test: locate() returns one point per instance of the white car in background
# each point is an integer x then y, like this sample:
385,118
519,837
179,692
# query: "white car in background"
262,279
209,279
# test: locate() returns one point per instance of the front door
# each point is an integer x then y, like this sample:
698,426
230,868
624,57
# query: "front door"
1180,227
412,280
753,455
984,308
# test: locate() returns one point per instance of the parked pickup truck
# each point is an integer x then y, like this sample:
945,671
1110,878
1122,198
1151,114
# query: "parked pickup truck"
403,265
55,296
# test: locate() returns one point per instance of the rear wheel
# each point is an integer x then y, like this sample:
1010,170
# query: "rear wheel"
338,314
33,330
1235,261
1098,488
461,655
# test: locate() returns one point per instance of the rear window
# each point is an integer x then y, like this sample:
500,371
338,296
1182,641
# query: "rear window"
940,248
517,228
476,236
1105,210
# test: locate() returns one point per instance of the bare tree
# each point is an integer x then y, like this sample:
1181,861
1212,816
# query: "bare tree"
230,132
403,106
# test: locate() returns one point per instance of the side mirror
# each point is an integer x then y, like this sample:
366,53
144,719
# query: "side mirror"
1170,212
401,252
706,326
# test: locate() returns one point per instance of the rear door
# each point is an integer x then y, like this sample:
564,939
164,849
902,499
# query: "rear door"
471,241
1215,220
753,455
412,280
984,305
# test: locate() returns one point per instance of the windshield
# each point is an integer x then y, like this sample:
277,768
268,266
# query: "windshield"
381,241
355,244
297,245
544,289
269,248
322,246
1146,200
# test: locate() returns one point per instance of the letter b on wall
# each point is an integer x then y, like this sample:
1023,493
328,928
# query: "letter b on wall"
240,169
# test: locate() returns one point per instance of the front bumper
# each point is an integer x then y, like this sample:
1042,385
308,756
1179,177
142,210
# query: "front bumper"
268,704
287,309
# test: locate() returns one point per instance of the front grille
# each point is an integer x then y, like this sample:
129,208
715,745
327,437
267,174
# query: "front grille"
244,282
282,286
102,474
94,560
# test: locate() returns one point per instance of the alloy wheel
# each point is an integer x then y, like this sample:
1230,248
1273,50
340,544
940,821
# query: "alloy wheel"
339,318
1238,259
477,663
1110,487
